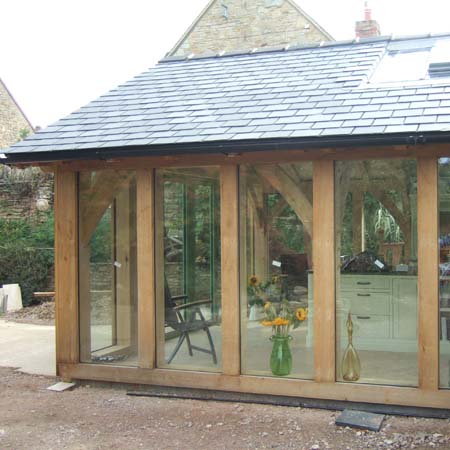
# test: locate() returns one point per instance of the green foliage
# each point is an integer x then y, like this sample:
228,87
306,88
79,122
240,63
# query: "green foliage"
26,254
287,230
101,241
347,227
23,133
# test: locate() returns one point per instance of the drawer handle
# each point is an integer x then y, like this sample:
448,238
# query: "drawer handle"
363,295
363,317
363,283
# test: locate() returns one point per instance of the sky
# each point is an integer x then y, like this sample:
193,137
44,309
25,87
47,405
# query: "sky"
58,55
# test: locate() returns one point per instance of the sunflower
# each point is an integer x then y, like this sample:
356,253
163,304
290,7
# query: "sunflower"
279,321
301,314
267,305
253,281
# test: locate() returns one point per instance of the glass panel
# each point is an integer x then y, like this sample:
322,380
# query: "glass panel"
107,271
276,258
402,66
444,283
188,252
376,283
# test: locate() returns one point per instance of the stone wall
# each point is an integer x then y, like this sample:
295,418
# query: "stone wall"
20,191
229,25
12,121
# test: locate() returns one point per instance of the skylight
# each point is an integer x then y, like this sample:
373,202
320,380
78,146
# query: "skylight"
440,60
402,66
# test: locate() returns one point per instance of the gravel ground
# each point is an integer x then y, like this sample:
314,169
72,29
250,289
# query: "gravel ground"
100,417
42,314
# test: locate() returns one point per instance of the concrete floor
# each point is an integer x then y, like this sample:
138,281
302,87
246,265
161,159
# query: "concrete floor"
29,348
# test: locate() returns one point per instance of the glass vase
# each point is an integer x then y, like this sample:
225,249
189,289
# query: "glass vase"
281,356
351,366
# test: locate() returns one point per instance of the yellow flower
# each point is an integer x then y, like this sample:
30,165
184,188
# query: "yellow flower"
279,321
253,281
266,323
267,305
301,314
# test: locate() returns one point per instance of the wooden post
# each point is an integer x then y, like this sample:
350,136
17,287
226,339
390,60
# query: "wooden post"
66,268
324,272
358,221
146,269
229,223
428,273
123,237
260,238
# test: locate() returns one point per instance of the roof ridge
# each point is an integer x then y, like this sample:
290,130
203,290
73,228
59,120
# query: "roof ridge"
299,47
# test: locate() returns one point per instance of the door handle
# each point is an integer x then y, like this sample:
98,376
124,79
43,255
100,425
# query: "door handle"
363,317
363,283
363,295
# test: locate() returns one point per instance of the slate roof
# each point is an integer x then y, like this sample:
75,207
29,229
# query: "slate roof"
309,95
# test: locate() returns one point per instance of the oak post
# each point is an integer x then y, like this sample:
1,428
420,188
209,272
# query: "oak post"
66,268
324,272
229,214
146,269
428,273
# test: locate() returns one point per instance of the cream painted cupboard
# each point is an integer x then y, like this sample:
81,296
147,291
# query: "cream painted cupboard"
383,310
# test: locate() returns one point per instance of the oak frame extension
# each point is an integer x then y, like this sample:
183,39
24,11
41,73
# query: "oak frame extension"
324,385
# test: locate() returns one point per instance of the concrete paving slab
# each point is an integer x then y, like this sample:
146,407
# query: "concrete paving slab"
61,387
30,348
360,419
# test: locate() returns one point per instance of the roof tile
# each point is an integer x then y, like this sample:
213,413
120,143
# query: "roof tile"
319,91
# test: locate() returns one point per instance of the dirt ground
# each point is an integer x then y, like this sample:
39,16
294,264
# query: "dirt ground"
100,417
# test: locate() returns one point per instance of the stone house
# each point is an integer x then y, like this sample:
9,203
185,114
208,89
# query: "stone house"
229,25
14,124
20,190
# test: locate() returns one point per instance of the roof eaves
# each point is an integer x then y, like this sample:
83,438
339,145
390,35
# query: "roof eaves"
225,147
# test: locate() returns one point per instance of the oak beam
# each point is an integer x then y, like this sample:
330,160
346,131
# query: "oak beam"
324,272
66,269
229,223
428,273
146,269
350,392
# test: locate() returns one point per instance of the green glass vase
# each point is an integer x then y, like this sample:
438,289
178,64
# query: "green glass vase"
281,356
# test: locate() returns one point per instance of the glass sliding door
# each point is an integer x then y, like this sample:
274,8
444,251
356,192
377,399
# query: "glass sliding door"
188,268
276,269
376,292
444,270
107,267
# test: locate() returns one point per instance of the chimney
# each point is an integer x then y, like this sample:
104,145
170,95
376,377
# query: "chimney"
367,28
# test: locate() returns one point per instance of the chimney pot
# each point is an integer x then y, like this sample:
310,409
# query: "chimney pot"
367,27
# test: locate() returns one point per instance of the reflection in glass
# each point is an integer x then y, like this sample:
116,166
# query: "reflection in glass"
276,258
376,279
188,268
107,267
444,266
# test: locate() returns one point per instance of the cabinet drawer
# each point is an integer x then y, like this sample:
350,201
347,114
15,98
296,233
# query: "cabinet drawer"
371,326
371,282
367,303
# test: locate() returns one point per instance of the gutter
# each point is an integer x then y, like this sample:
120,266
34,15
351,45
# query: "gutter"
229,146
